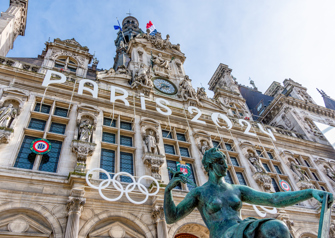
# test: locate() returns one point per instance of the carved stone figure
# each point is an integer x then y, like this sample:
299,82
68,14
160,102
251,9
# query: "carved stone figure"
7,115
142,77
256,163
85,130
122,69
286,121
160,62
220,203
330,173
106,72
204,146
150,143
201,94
186,89
299,171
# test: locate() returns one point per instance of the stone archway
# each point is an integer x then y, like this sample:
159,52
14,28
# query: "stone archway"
185,235
192,230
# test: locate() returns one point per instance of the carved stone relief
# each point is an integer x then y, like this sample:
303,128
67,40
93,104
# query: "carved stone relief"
161,66
303,182
142,79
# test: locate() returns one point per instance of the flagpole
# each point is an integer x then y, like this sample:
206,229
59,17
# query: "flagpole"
121,31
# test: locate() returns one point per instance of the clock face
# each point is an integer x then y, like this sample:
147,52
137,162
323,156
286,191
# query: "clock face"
165,86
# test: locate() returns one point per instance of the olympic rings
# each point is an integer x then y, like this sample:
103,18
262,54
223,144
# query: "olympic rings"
118,186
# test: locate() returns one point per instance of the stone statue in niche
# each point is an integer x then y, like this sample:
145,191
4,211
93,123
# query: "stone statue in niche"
142,77
203,146
256,163
201,94
7,115
186,89
85,130
150,143
160,62
298,171
330,173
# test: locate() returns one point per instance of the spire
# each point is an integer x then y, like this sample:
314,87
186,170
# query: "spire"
329,102
253,84
323,94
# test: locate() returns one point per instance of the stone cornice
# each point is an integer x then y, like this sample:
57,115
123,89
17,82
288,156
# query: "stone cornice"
221,69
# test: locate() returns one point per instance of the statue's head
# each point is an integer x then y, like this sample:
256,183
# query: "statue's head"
151,132
10,105
160,54
204,142
215,160
148,31
167,36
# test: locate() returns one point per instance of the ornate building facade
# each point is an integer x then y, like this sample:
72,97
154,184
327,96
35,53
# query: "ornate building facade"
142,116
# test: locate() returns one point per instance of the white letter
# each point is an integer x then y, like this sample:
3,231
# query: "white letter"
247,130
47,78
268,132
195,119
142,101
123,97
215,119
82,87
159,103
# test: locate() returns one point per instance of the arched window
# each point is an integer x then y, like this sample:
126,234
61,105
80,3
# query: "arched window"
66,63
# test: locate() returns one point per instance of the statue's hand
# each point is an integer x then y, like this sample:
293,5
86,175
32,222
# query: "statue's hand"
175,181
318,195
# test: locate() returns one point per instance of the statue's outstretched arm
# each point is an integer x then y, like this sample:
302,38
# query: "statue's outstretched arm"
172,212
281,199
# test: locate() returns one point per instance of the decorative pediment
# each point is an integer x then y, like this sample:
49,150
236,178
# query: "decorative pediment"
23,226
116,230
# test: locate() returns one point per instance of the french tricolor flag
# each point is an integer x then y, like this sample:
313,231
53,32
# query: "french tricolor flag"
152,28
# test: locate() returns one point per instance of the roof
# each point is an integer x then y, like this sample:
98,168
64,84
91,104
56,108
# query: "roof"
35,61
329,102
256,101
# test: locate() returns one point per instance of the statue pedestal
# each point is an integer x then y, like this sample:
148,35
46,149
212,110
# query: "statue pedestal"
264,180
82,150
154,162
5,135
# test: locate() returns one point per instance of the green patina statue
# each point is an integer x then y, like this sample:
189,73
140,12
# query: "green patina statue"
220,203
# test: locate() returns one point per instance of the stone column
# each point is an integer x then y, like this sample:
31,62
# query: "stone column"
75,204
159,217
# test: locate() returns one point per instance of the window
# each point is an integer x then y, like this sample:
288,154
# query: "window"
126,165
126,140
277,169
241,178
259,152
297,161
37,124
229,147
228,178
66,63
323,188
234,161
26,158
181,137
169,149
266,166
184,152
191,178
62,112
306,162
241,114
107,162
167,134
125,125
57,128
109,122
108,137
275,185
270,155
173,165
234,112
316,177
45,108
216,144
49,161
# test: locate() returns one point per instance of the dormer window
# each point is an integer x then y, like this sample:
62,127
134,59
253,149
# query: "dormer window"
66,63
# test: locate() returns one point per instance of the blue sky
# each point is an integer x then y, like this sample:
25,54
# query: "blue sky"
265,40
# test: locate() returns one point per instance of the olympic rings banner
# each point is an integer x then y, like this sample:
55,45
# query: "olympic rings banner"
118,186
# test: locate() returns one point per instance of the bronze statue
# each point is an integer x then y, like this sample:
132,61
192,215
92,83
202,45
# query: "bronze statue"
220,203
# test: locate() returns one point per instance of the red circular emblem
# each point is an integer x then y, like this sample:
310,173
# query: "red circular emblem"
285,186
40,146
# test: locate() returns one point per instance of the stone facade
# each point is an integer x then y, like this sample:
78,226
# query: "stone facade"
47,195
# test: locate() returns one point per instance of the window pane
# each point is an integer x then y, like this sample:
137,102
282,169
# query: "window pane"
184,152
125,125
37,124
323,188
169,149
234,161
126,140
266,167
241,178
49,161
167,134
62,112
72,69
59,65
126,165
241,114
191,178
270,155
107,162
277,169
57,128
306,162
45,108
297,161
259,153
316,177
181,137
216,144
229,147
275,185
228,178
173,165
108,137
109,122
26,158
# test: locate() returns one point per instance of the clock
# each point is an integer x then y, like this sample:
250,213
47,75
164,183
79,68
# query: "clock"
165,86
